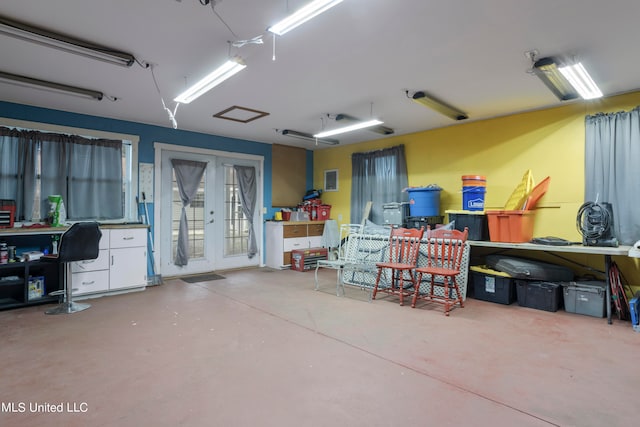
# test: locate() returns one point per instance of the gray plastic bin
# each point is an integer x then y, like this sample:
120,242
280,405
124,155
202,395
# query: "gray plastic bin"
585,297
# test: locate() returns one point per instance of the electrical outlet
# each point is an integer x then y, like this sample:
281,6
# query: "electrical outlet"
339,217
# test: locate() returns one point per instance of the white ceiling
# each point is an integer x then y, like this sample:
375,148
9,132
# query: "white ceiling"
358,58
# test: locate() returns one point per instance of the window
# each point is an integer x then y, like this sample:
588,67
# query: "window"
236,225
92,170
331,180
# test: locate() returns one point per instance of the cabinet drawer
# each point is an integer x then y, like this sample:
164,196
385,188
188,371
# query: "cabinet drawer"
315,229
127,237
315,241
296,243
299,230
90,282
100,263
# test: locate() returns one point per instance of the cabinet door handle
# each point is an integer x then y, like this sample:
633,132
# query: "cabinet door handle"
89,283
128,238
111,259
88,261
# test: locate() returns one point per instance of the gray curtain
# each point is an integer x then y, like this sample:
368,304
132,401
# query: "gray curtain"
188,176
247,182
18,152
95,179
87,173
612,156
378,176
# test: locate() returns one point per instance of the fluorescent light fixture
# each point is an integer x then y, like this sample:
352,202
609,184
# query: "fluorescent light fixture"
439,106
222,73
580,79
383,130
350,128
309,137
302,15
29,82
23,31
547,70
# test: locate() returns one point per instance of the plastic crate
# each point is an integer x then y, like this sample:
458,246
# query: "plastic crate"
492,287
324,212
510,226
586,297
545,296
476,222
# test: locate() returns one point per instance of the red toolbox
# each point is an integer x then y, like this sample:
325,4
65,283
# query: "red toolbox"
7,213
306,259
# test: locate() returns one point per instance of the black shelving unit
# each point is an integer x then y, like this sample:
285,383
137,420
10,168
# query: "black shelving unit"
15,278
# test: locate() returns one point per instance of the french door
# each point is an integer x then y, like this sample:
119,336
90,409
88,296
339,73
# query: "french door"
218,229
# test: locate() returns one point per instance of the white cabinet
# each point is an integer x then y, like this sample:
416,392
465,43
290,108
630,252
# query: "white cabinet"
285,236
121,263
128,253
92,275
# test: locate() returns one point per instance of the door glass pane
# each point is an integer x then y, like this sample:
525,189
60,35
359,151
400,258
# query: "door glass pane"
195,219
236,226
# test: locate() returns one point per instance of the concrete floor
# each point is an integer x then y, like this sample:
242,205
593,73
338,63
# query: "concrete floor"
262,348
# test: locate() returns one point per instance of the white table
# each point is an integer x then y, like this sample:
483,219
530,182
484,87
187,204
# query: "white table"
607,252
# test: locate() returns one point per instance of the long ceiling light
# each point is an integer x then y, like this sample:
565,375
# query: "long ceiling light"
580,79
383,130
349,128
547,70
24,81
23,31
222,73
309,137
302,15
439,106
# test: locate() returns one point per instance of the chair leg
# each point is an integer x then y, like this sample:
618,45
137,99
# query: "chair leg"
457,288
447,300
316,277
416,285
375,287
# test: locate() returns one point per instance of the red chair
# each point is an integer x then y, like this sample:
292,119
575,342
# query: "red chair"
444,256
404,247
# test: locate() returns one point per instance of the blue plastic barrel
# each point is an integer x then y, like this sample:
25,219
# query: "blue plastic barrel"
424,201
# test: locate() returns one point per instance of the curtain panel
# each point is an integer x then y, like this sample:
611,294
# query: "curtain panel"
248,193
612,156
380,177
188,176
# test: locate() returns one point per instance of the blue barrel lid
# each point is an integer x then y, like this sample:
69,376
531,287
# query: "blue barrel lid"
430,187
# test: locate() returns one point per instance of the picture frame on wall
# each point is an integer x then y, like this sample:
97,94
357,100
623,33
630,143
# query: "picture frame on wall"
331,180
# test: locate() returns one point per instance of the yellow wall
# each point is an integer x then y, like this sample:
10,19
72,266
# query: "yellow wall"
549,142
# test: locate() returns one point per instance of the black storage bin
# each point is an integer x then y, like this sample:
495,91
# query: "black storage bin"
545,296
423,221
523,268
498,289
476,223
